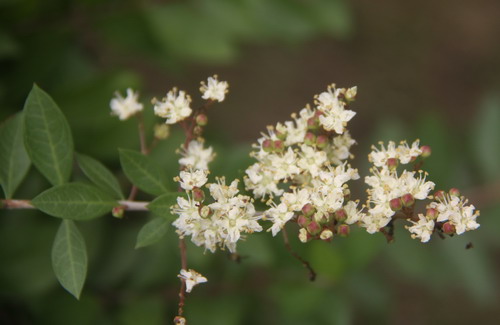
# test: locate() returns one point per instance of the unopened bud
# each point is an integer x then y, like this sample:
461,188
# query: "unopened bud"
396,204
321,141
280,135
302,221
304,235
392,163
454,191
279,146
205,212
322,218
347,194
408,200
439,195
326,235
162,131
343,230
350,94
340,215
448,228
201,119
117,212
431,214
198,194
313,123
179,320
426,151
310,139
268,145
308,209
313,228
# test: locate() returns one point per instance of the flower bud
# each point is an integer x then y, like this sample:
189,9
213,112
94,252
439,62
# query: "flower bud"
302,220
340,215
321,141
448,228
326,235
117,212
313,228
426,151
279,146
392,163
205,212
313,123
396,204
201,119
310,139
280,135
347,194
350,94
408,200
304,235
162,131
439,195
308,210
431,213
343,230
179,320
322,218
197,130
198,194
455,192
268,145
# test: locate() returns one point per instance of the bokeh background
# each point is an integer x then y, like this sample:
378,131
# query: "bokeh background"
426,69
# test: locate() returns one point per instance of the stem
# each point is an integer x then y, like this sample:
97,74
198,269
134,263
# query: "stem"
26,204
182,296
312,274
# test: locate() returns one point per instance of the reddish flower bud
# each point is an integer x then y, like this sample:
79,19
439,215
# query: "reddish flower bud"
340,215
408,200
308,209
313,123
281,136
454,192
448,228
198,194
321,141
279,145
268,145
313,228
396,204
439,195
326,235
310,139
201,119
426,151
343,230
117,212
302,221
431,213
179,320
392,163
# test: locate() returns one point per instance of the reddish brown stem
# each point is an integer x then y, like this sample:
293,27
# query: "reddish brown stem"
312,274
182,296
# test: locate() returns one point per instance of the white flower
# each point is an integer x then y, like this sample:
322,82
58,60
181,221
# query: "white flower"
422,229
279,215
192,179
454,209
191,278
335,116
174,107
311,160
125,107
196,156
214,90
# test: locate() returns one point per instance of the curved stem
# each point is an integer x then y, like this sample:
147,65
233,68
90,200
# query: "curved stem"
312,274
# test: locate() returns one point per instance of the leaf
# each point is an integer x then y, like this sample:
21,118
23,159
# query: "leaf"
13,157
143,172
161,205
100,175
47,137
69,258
74,201
152,232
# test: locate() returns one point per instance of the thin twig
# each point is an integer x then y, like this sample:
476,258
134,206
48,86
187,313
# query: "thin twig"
182,296
312,274
26,204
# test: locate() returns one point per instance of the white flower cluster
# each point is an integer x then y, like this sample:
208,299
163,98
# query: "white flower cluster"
304,163
174,107
389,191
125,107
196,156
218,224
214,89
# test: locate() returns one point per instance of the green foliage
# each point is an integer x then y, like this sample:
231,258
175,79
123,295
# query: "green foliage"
69,258
48,137
161,205
100,175
13,157
74,201
143,172
152,232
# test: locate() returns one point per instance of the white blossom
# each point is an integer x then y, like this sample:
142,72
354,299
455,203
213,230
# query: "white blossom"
191,278
422,229
279,215
455,210
125,107
191,179
174,107
214,89
196,156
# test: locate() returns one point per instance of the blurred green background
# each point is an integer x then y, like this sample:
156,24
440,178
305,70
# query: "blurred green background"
423,69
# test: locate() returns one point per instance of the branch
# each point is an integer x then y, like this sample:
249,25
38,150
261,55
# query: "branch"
312,274
26,204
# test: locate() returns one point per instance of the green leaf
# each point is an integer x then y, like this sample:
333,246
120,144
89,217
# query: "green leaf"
152,232
69,258
161,205
143,172
47,137
13,157
74,201
100,175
